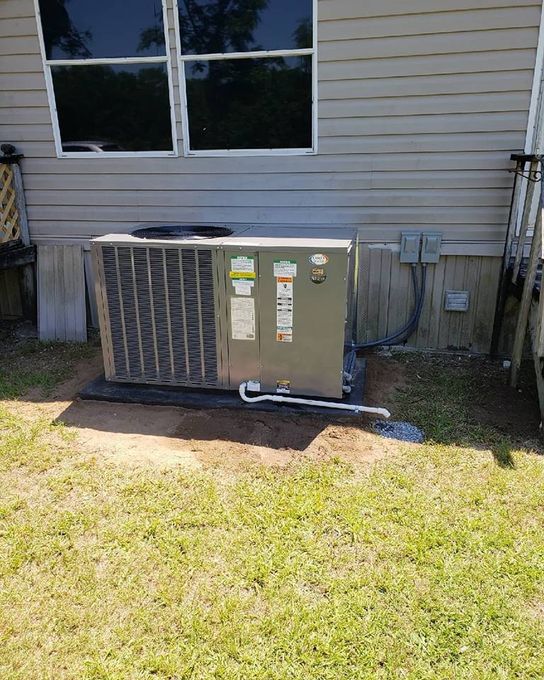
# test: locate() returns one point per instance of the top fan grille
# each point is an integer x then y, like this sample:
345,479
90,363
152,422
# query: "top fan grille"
172,232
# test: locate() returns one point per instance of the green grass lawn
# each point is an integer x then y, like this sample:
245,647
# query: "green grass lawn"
427,564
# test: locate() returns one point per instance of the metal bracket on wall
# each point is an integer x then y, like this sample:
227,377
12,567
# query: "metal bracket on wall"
521,160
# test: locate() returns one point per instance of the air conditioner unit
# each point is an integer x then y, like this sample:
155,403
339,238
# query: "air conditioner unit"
202,307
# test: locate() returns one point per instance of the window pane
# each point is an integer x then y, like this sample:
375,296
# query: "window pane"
119,108
216,26
250,103
79,29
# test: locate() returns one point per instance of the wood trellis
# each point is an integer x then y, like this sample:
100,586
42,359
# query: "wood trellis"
17,254
10,226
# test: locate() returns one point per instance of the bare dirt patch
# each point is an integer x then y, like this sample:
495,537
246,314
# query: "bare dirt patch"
166,436
504,408
131,434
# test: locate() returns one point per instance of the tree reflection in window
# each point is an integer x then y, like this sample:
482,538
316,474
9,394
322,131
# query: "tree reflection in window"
102,28
59,33
108,107
127,106
218,26
250,103
262,101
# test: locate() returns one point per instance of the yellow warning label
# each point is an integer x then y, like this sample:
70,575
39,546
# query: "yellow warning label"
242,275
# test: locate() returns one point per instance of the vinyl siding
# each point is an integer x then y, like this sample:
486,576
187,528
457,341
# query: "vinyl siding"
420,105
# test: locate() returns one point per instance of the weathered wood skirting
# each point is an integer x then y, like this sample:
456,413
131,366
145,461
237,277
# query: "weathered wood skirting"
10,295
62,311
19,256
386,299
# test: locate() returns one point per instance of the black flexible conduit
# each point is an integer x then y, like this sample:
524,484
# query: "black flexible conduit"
406,331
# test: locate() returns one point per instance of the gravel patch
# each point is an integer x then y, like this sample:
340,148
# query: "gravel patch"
402,431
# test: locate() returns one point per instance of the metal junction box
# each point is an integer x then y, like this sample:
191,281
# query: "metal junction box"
214,312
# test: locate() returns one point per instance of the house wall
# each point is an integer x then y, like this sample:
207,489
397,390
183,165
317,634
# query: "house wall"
421,104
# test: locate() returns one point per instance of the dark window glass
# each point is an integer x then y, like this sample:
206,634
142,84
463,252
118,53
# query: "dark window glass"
82,29
250,103
114,107
218,26
76,147
111,147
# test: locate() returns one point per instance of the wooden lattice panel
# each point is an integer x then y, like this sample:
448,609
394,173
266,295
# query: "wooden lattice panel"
10,228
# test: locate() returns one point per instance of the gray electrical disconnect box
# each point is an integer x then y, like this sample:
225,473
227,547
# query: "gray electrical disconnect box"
410,243
214,312
430,247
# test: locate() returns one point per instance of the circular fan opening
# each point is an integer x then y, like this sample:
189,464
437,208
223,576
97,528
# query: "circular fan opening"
171,232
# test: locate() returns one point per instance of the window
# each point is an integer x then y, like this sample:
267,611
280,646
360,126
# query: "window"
248,76
107,69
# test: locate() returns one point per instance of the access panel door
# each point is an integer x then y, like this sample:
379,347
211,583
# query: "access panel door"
241,321
302,317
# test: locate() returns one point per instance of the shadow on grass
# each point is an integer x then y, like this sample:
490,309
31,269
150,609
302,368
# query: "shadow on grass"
502,453
32,370
455,401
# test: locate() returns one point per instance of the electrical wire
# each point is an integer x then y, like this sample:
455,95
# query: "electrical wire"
406,331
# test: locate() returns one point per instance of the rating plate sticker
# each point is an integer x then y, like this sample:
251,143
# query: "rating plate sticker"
242,316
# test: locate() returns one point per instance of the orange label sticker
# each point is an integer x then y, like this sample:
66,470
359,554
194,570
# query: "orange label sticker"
284,336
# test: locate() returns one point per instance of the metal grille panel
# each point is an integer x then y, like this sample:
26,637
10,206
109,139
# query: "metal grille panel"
162,319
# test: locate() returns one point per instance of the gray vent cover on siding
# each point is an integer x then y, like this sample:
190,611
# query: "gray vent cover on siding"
162,315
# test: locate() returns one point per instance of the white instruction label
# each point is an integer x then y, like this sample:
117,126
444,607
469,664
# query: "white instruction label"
285,268
284,313
242,315
241,263
284,309
243,286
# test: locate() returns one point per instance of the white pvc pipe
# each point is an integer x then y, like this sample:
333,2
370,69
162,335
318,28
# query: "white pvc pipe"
356,408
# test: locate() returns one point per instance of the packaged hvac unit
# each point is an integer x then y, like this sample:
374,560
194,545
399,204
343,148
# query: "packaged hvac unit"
201,307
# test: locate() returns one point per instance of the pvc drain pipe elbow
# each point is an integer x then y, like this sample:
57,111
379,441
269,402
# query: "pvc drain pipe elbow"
279,398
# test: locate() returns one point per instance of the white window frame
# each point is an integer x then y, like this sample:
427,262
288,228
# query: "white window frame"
48,63
182,58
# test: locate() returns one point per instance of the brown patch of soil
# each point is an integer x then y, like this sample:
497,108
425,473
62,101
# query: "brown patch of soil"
506,409
166,436
385,375
133,434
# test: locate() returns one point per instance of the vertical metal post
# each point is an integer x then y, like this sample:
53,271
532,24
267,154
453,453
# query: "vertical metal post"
504,280
526,298
527,210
